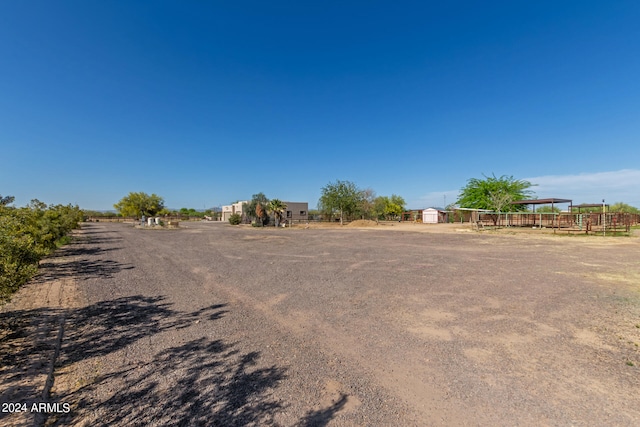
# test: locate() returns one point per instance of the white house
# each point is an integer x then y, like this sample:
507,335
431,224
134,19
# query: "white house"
229,210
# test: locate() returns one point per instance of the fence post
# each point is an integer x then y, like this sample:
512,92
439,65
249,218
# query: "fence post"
604,219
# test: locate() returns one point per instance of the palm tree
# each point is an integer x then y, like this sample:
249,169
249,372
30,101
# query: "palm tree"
277,207
260,214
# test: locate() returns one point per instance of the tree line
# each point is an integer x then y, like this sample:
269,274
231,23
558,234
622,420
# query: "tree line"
27,234
138,204
339,200
344,200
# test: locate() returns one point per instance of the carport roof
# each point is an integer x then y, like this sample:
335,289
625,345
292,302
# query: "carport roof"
540,201
589,205
472,209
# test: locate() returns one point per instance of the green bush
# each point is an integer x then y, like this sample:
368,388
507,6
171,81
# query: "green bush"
26,235
20,256
235,219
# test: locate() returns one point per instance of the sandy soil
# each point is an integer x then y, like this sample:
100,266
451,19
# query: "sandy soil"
219,325
31,330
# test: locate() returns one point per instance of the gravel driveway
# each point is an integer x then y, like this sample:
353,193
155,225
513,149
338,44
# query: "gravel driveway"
212,324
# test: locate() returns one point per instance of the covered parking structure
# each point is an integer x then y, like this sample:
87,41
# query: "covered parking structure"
548,219
550,201
569,220
598,218
533,219
579,207
472,215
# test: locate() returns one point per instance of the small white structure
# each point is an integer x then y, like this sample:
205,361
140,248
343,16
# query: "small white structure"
430,216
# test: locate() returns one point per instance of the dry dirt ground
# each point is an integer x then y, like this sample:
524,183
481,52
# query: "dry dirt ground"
399,324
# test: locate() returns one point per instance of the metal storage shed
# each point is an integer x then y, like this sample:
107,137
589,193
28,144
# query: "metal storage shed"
430,216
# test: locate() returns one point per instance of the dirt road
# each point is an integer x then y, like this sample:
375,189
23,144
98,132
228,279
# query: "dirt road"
219,325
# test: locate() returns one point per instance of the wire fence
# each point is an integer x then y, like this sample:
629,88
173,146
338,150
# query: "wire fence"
570,222
563,222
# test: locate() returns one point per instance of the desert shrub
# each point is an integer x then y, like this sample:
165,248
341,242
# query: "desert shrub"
235,219
26,235
20,256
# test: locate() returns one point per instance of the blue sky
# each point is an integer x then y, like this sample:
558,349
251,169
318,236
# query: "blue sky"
206,103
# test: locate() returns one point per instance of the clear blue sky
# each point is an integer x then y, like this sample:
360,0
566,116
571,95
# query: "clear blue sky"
206,103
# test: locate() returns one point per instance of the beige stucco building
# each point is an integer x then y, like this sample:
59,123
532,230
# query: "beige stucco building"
229,210
295,211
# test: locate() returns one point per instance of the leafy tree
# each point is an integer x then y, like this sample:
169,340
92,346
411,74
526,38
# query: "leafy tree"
138,204
189,212
367,204
389,207
313,214
342,197
277,207
495,194
250,210
623,208
592,209
396,206
7,200
618,207
380,206
499,199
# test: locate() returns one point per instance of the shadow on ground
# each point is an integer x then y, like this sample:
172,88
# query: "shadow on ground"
84,258
199,382
321,417
85,269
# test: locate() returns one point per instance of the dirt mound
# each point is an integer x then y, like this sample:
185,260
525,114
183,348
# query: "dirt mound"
362,223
